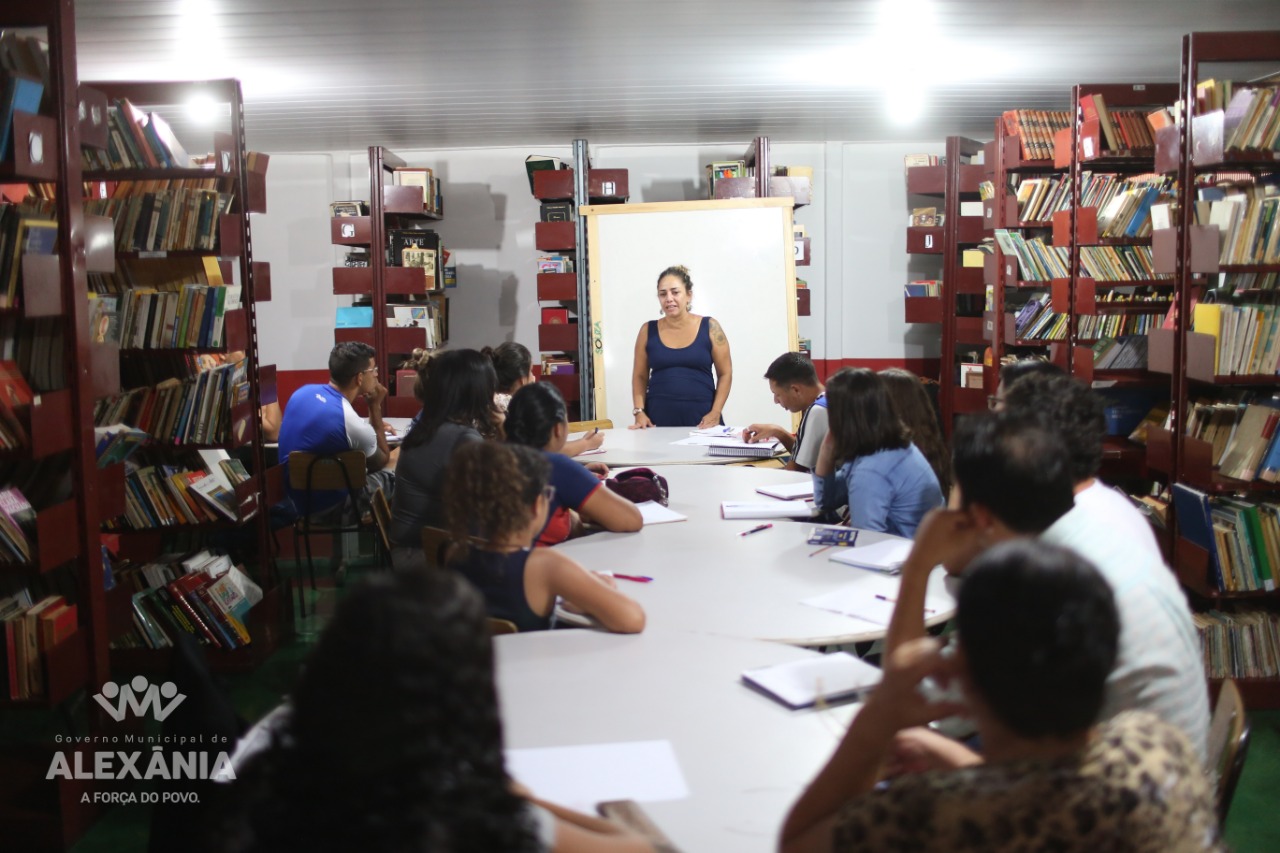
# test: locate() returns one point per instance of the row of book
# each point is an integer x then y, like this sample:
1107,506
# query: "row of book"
424,177
723,169
1234,282
168,220
1124,353
1040,198
203,595
162,495
24,80
1252,120
32,349
1038,260
1241,537
1246,219
1096,326
137,139
31,631
1124,206
195,410
1240,428
194,316
424,315
1119,263
1036,320
17,526
22,233
555,263
1246,337
1243,644
1035,130
1123,131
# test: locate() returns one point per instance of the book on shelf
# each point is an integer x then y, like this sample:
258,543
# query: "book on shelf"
175,493
558,366
203,408
31,236
924,217
1039,198
193,316
117,442
137,139
353,317
423,177
1035,130
1242,643
558,211
348,208
164,216
555,264
18,94
17,525
31,631
912,160
539,162
203,595
923,287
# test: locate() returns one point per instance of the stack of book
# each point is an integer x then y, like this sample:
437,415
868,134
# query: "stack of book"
1119,263
159,495
1035,130
1252,120
1126,353
1246,222
1247,337
203,595
1093,327
31,631
1244,644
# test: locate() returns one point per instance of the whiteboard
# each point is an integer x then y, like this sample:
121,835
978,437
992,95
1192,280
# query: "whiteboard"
740,255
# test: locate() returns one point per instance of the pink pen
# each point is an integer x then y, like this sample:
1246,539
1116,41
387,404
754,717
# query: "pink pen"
755,529
636,578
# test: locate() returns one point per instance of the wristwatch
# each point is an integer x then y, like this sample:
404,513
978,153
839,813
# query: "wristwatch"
636,411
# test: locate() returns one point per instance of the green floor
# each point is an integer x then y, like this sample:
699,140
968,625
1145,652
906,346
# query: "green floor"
1252,827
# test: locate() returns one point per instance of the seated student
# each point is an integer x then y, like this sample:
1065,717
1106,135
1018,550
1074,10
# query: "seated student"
537,418
393,741
917,413
514,365
498,493
1015,480
456,390
1012,371
320,419
868,462
796,388
1036,635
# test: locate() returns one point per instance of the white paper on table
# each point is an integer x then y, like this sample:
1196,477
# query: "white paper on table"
720,431
724,441
789,491
887,555
765,509
872,598
581,776
655,513
592,452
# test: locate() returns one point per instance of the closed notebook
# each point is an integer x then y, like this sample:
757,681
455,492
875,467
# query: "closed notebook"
765,509
752,451
799,684
888,555
789,491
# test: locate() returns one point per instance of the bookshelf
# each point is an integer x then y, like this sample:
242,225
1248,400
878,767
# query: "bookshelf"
1019,284
395,210
138,526
1106,162
1197,151
563,294
760,181
955,182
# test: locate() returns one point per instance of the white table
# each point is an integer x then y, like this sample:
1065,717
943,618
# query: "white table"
744,757
709,579
654,446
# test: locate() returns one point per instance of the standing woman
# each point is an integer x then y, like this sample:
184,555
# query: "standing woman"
671,382
456,388
868,461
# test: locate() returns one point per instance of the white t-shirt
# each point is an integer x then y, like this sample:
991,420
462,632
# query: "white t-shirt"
1159,666
360,432
813,429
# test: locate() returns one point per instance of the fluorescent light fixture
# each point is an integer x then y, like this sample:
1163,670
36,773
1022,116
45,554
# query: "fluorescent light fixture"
203,109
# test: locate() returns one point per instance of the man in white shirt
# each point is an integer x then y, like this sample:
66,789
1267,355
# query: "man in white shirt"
795,386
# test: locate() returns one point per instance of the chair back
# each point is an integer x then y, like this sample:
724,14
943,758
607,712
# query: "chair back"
310,472
382,517
435,546
582,426
501,626
1228,744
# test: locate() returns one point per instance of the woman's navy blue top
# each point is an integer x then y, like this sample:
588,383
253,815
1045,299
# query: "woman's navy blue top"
500,578
681,387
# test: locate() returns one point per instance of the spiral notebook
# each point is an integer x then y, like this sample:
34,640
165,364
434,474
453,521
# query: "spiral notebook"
799,684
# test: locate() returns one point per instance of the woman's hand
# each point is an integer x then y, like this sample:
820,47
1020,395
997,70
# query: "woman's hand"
642,422
710,419
600,469
593,439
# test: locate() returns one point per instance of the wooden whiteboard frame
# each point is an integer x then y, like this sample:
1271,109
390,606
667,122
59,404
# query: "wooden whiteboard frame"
592,213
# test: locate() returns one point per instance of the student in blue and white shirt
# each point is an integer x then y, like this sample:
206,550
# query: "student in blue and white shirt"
795,386
320,419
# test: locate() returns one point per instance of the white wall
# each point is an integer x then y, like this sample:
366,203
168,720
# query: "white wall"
856,224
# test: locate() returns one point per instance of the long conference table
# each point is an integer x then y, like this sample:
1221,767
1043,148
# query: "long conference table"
719,603
653,446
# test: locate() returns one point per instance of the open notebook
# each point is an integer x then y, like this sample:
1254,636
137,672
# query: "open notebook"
799,684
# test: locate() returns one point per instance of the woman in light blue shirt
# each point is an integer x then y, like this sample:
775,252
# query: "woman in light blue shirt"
868,462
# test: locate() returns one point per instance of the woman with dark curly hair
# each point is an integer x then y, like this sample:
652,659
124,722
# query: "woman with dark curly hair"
917,414
393,741
456,388
537,418
867,460
499,495
513,364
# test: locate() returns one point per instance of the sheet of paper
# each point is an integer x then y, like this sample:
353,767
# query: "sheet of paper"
871,598
655,513
765,509
591,452
723,441
887,555
581,776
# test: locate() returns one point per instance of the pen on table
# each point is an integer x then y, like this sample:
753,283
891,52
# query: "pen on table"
635,578
819,551
895,601
755,529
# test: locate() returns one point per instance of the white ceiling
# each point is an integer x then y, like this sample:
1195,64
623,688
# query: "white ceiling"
345,74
